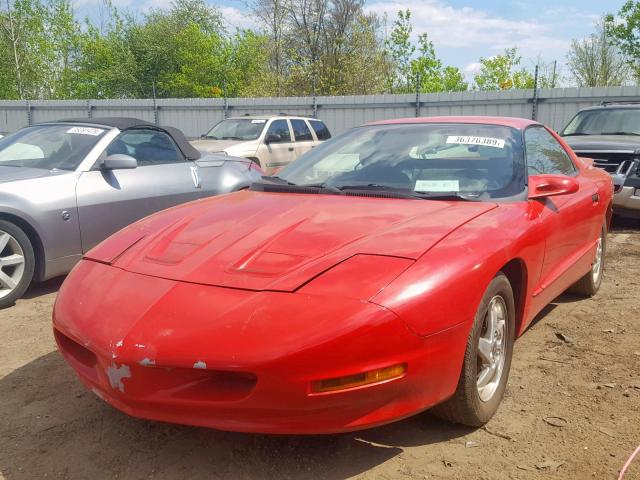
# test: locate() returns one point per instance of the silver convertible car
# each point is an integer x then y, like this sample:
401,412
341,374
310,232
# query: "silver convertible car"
65,186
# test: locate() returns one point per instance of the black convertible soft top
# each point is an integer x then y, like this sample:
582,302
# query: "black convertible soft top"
127,123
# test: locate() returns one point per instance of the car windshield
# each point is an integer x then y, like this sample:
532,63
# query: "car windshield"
474,160
605,121
50,147
237,129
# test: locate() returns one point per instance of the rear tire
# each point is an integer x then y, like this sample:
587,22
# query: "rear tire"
589,285
17,263
485,370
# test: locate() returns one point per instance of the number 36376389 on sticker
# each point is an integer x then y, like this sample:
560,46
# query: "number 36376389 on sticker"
484,141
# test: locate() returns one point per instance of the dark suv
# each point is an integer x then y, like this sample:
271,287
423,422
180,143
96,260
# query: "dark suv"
610,134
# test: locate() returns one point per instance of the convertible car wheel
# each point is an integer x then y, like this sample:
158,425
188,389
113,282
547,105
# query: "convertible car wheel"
17,263
590,283
487,359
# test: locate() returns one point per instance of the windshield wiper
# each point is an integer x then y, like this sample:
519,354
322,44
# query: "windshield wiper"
371,187
405,193
622,133
576,134
279,180
448,196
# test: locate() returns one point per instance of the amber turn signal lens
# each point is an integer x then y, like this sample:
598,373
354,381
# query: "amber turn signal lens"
359,379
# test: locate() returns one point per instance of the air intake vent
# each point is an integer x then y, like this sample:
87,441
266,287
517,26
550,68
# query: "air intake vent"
368,194
263,187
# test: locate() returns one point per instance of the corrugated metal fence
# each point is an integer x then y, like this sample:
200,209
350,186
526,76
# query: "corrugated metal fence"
553,107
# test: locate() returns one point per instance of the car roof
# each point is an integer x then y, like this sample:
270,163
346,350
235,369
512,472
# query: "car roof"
269,117
518,123
127,123
121,123
610,106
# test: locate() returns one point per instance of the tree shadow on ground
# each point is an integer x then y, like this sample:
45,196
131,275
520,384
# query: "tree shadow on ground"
51,426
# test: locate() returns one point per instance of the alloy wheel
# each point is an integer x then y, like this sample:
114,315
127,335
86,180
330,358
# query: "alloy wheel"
596,269
492,346
12,263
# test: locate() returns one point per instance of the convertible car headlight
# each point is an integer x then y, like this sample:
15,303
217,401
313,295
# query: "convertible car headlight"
360,277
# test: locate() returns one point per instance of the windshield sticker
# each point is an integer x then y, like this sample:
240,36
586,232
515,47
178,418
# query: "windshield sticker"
437,186
258,121
483,141
94,132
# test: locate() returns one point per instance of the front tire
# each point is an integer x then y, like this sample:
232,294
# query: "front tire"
487,359
17,263
589,285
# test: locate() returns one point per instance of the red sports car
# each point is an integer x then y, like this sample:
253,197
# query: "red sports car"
386,272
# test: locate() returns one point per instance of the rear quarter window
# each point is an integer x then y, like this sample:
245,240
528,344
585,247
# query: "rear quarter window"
322,132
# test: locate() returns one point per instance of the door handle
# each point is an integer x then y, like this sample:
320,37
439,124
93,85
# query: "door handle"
291,149
196,177
595,198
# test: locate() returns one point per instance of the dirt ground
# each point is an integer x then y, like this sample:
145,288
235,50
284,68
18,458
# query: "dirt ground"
572,409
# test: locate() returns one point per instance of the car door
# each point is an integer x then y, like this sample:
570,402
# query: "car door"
109,200
303,137
567,220
277,150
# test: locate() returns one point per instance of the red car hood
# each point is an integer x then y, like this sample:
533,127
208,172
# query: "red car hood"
275,241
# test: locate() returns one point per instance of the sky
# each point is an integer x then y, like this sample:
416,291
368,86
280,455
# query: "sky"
462,31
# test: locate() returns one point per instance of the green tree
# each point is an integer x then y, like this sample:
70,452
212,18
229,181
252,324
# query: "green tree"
178,51
360,66
400,49
429,71
246,65
272,15
22,23
61,50
352,62
194,70
418,66
503,72
453,80
39,41
596,62
426,67
106,65
624,32
324,46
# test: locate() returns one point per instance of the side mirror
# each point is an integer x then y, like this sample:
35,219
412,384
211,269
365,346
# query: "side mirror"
272,138
544,186
119,161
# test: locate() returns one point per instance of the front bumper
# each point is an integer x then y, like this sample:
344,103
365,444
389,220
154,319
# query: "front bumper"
244,361
626,202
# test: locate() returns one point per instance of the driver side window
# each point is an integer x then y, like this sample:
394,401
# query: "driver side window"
545,155
148,147
280,128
